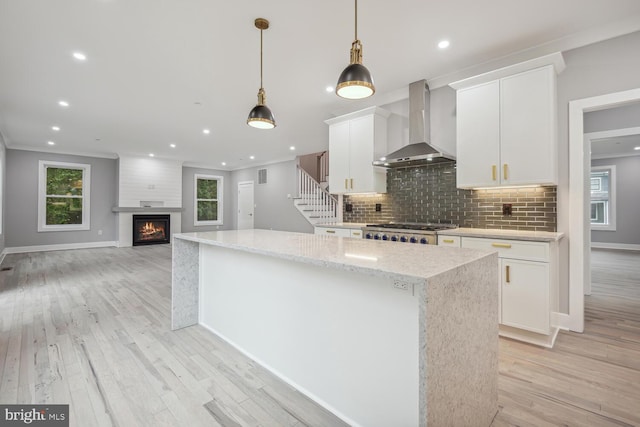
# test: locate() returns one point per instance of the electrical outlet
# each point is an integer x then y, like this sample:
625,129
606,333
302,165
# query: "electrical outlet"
99,232
507,209
378,207
401,286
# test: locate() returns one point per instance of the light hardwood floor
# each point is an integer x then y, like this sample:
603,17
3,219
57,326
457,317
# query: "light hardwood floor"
92,328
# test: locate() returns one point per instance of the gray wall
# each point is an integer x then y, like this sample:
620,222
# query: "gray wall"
22,200
626,116
3,180
273,210
598,69
627,202
228,197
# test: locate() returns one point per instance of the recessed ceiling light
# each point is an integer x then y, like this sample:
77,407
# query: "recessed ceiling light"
55,128
330,89
444,44
51,143
224,163
80,56
292,148
252,157
63,103
206,131
151,155
636,148
172,145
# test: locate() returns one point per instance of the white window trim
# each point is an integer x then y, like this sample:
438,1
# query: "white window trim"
42,197
220,180
611,226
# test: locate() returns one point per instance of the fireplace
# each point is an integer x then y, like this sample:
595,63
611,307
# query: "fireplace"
151,229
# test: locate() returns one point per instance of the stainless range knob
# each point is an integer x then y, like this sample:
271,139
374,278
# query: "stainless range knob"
424,241
403,238
413,239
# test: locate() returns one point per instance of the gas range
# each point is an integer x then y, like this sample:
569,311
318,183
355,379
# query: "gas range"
409,232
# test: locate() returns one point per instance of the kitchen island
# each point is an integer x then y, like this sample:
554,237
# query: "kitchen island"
379,333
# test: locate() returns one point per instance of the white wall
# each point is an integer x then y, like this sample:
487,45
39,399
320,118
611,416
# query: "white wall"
149,179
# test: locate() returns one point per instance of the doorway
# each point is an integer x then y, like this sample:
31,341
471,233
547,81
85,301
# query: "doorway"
580,200
245,205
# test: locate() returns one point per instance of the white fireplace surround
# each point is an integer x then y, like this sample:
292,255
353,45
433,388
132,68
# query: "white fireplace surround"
147,186
125,221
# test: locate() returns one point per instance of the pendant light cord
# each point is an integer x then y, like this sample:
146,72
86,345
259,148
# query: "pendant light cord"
261,59
356,18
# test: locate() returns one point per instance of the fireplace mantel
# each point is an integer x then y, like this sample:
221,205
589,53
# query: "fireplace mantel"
119,209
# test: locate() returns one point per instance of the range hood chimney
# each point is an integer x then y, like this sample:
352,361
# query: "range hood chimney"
419,151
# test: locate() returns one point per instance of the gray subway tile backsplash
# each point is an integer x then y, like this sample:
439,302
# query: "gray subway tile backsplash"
429,194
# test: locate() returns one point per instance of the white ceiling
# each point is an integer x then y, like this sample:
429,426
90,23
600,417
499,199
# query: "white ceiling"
160,71
620,146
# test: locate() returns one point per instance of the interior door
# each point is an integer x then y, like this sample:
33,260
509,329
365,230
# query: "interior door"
245,205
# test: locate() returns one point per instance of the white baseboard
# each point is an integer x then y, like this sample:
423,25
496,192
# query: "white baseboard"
623,246
60,247
561,320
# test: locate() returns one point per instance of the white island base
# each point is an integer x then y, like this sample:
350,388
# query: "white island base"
325,314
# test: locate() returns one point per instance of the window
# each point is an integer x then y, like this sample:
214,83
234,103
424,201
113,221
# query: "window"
208,200
603,185
63,196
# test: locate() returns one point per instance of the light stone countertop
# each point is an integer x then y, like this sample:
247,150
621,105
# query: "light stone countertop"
353,225
492,233
385,259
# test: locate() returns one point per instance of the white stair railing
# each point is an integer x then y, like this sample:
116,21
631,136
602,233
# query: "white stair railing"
318,203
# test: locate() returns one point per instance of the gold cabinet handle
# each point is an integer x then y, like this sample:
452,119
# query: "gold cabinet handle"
447,240
501,245
346,181
505,169
331,231
508,275
356,234
352,183
493,172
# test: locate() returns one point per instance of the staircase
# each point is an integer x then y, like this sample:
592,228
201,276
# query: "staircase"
313,201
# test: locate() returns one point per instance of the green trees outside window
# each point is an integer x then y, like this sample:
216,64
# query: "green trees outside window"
208,200
64,196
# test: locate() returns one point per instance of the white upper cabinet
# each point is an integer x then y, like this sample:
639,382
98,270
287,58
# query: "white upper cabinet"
355,141
478,134
506,128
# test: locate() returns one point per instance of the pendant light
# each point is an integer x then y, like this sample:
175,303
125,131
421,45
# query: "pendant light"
355,82
261,116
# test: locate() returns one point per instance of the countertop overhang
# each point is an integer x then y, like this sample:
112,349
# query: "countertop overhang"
492,233
384,259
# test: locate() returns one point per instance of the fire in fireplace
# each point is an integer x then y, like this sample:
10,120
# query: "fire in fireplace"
151,229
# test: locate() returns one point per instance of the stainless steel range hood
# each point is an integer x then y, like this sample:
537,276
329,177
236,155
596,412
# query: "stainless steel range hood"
419,151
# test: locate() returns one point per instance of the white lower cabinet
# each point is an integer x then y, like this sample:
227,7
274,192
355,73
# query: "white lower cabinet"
524,287
528,287
453,241
339,231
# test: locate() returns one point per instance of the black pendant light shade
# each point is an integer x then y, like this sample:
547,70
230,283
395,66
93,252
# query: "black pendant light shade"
260,116
355,82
